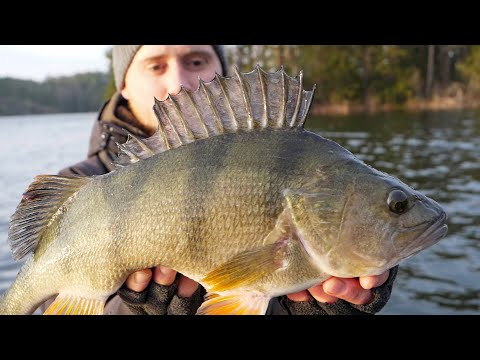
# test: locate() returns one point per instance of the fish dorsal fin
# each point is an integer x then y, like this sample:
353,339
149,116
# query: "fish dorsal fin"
43,201
244,102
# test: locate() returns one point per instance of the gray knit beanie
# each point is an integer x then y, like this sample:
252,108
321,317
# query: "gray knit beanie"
122,56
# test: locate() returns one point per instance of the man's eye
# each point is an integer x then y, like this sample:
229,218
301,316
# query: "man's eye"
197,62
155,67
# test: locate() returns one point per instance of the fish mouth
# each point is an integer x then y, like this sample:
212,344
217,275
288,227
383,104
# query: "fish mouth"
430,236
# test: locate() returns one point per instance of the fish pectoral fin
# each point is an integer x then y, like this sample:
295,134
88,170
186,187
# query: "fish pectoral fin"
74,305
249,266
246,267
247,303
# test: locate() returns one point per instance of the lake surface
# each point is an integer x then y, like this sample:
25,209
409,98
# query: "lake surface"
437,153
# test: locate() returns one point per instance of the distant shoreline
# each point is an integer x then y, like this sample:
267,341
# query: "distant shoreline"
348,108
93,113
436,104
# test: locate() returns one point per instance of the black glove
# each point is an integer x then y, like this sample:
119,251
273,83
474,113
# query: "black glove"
283,305
164,300
161,300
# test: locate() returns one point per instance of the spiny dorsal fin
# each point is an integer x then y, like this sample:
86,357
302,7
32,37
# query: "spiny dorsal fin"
244,102
41,204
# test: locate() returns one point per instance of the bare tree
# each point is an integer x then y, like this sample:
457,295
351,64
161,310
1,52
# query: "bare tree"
430,69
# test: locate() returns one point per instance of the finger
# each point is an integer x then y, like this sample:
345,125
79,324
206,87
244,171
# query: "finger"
299,296
348,290
320,295
369,282
163,275
138,280
186,286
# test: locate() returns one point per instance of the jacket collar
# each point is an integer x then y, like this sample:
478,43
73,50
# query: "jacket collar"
109,129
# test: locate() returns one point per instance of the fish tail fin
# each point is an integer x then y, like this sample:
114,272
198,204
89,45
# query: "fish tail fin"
45,199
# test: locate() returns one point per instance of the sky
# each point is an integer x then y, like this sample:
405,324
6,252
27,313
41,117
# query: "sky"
36,62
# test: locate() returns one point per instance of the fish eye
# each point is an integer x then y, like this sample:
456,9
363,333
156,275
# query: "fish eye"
397,201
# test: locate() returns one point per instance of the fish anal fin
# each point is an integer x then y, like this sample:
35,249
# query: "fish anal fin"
74,305
247,303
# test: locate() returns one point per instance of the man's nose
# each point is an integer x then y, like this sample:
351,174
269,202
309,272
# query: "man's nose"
181,77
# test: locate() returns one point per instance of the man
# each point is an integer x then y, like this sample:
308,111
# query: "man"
145,72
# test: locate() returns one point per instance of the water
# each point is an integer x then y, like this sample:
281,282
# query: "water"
436,152
33,145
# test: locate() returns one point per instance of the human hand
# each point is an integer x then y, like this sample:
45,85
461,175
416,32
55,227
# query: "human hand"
139,280
354,290
167,294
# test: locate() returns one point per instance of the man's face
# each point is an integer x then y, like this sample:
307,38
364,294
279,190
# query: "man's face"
159,70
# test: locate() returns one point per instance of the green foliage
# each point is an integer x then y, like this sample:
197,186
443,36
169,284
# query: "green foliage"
393,76
334,69
469,70
111,88
78,93
385,74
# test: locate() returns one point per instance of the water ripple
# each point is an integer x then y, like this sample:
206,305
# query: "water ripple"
436,153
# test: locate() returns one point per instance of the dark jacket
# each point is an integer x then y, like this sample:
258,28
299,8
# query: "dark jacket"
107,131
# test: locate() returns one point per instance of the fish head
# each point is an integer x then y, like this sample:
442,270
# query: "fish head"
362,222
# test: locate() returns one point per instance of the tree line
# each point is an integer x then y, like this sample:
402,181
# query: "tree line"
369,76
374,75
77,93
